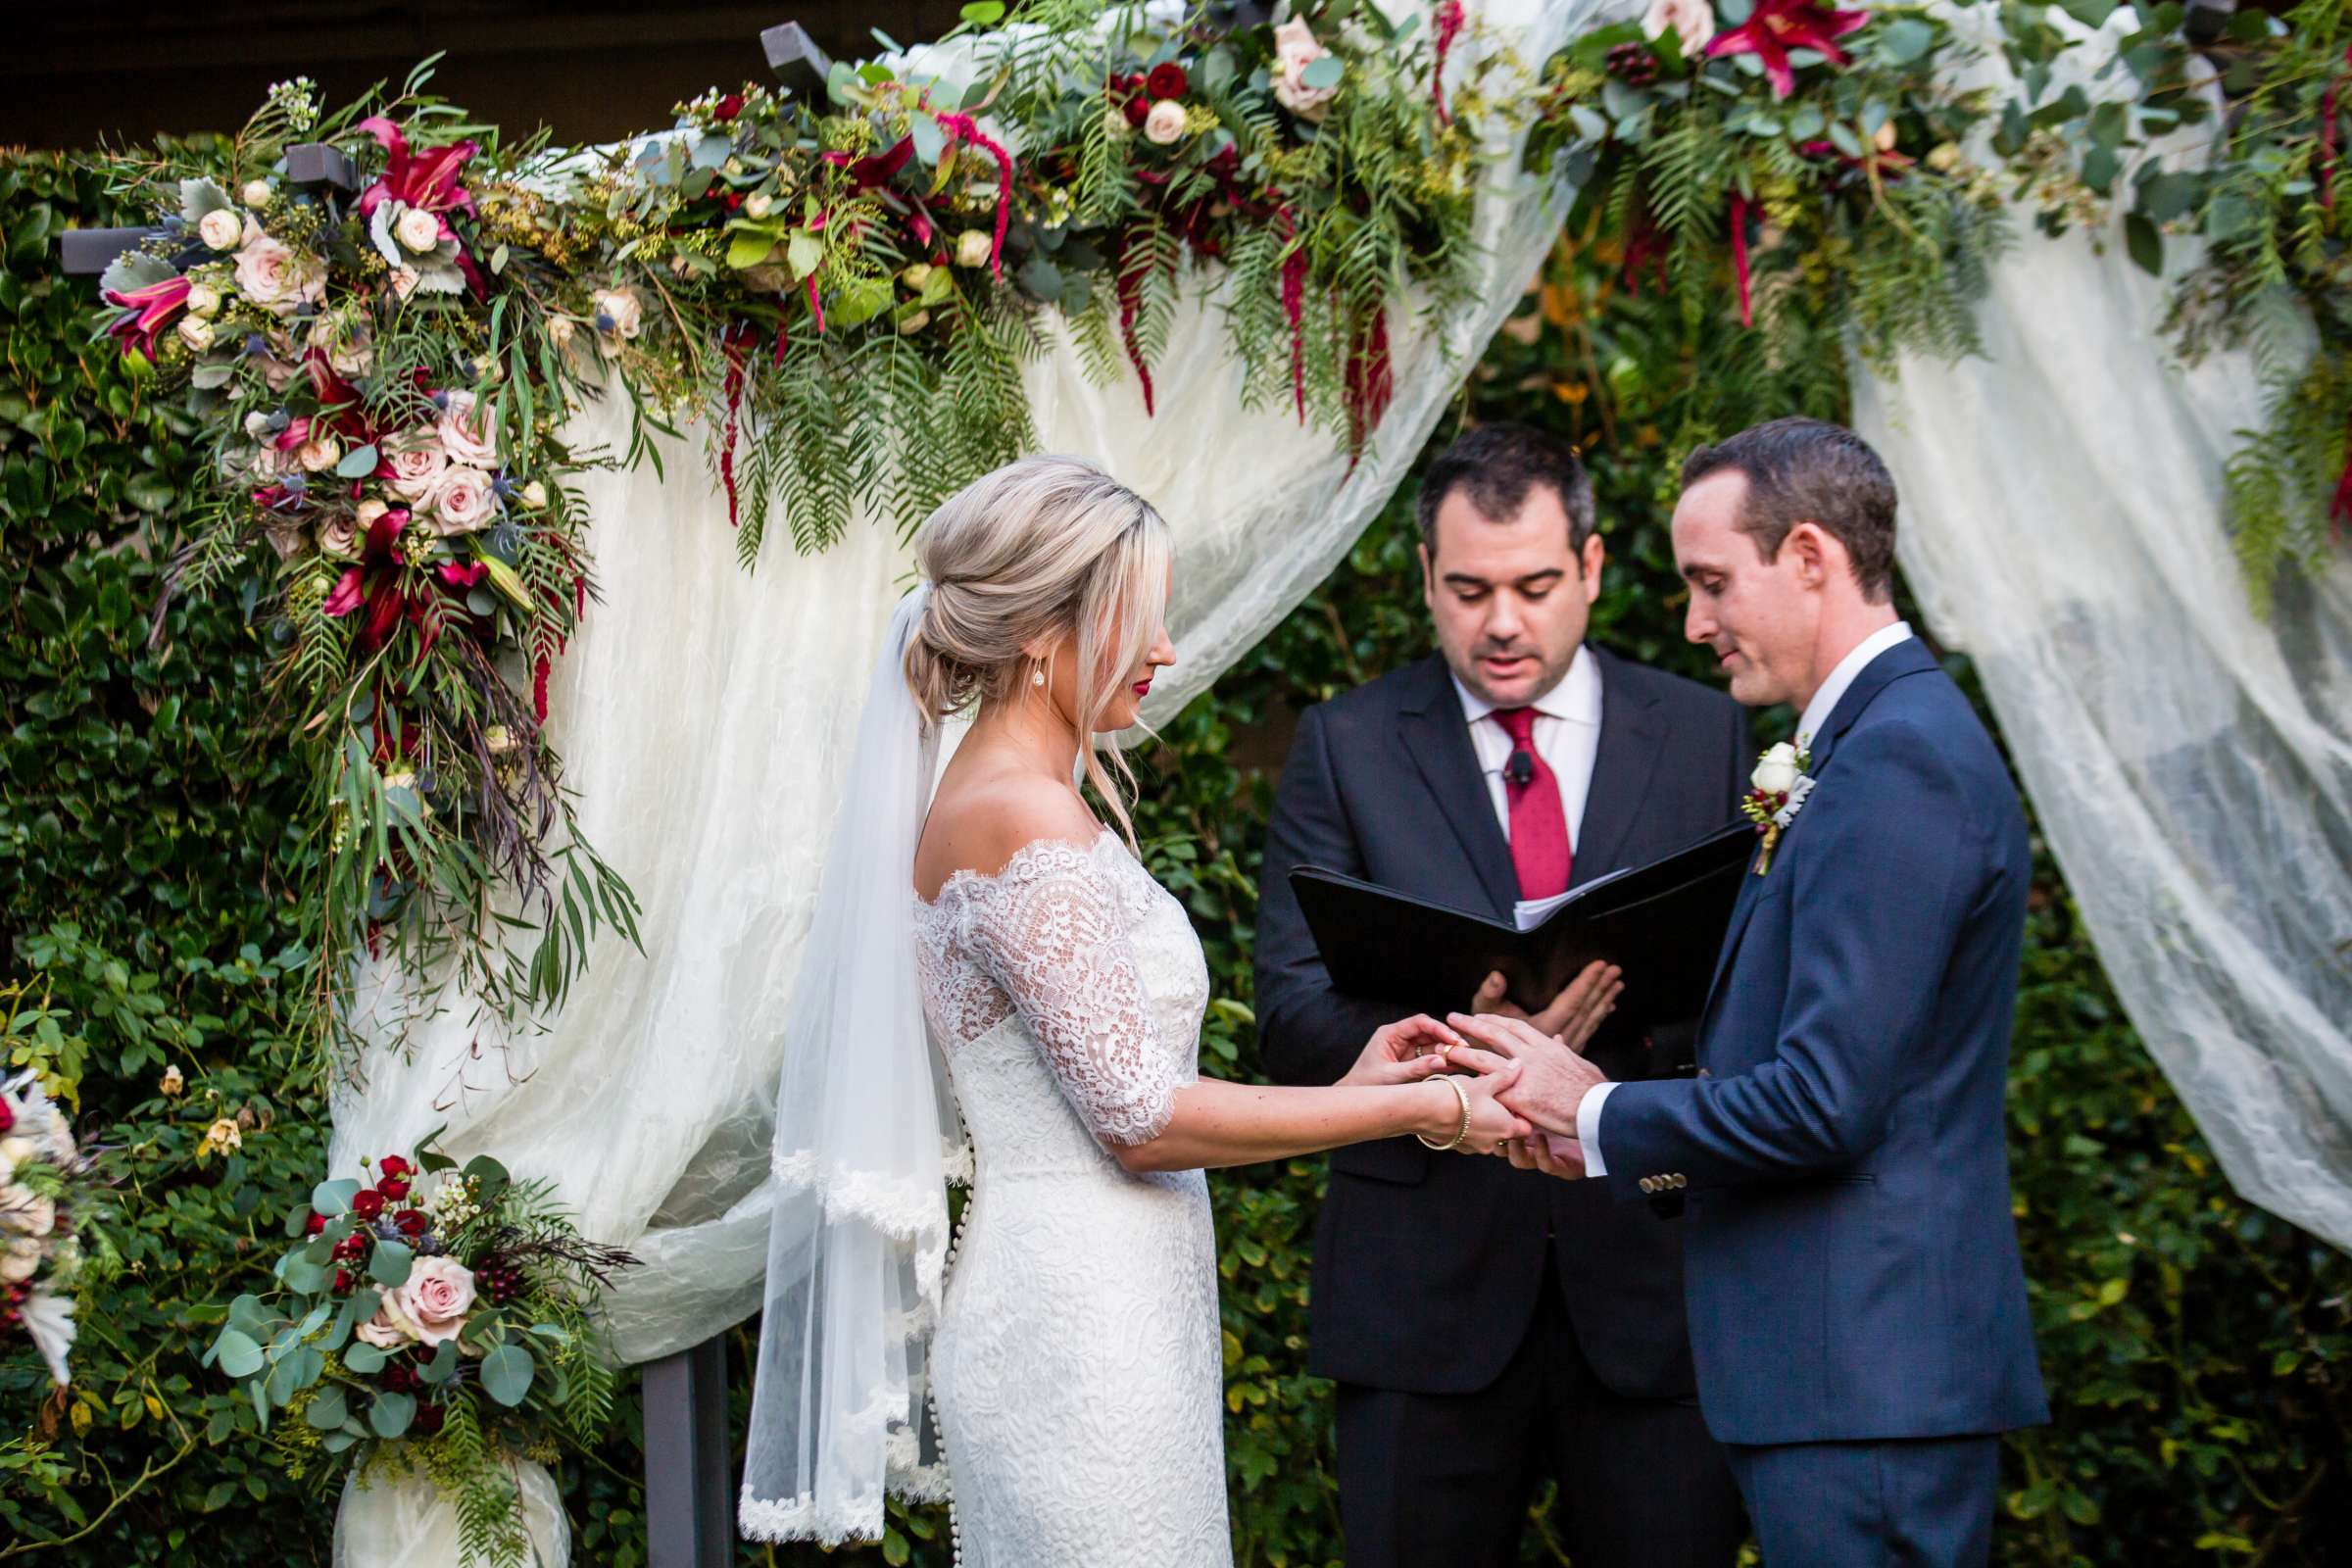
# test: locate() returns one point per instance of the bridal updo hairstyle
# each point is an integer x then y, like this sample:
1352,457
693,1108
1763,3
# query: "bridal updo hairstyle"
1039,547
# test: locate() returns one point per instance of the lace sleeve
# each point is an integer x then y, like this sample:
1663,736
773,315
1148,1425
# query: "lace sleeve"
1051,933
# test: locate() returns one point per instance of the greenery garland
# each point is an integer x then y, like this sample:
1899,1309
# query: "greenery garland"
846,291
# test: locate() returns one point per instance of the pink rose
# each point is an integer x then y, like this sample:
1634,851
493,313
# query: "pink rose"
1296,48
417,470
273,276
463,503
433,1303
464,435
388,1330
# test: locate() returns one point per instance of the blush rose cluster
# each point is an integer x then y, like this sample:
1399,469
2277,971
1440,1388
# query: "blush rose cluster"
427,1291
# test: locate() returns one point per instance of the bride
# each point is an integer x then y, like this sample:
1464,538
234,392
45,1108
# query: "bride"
1062,1381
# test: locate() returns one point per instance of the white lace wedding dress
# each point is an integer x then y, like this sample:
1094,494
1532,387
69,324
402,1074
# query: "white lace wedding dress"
1077,1369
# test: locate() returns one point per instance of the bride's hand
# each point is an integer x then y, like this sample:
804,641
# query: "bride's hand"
1405,1051
1493,1124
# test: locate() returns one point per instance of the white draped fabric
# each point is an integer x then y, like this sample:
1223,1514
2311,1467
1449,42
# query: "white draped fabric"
705,716
2191,765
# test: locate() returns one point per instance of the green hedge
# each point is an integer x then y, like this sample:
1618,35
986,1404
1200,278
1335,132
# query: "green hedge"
152,838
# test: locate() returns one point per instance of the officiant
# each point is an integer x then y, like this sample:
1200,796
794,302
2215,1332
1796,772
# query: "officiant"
1486,1326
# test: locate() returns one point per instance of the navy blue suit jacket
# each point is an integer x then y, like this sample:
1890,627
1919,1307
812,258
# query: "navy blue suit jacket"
1853,1269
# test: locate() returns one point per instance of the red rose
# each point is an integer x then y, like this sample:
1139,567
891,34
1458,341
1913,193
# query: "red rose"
734,200
1137,109
411,1221
1168,81
317,1223
368,1204
427,1420
342,1280
394,1188
393,1165
728,107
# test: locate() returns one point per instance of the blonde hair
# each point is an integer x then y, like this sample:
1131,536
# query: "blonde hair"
1039,547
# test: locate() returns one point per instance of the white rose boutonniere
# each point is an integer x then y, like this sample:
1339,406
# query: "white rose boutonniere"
1777,791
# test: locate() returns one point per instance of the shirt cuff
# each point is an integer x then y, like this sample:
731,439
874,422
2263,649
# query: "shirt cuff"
1587,1127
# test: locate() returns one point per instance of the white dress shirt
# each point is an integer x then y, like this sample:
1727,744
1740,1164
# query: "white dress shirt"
1567,736
1808,726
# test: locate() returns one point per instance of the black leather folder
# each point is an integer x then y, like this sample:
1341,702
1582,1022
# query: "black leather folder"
1663,923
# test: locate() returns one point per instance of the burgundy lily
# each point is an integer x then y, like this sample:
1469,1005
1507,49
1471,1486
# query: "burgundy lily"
426,180
1777,27
152,307
429,180
374,582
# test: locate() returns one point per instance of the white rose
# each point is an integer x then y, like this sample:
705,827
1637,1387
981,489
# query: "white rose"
1114,124
340,536
464,435
1165,123
418,229
1691,21
202,301
257,425
464,502
972,247
416,471
619,306
319,453
220,229
196,332
758,205
256,193
534,495
1296,48
18,1259
1776,773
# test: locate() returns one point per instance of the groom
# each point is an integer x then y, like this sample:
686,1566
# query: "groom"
1486,1327
1858,1306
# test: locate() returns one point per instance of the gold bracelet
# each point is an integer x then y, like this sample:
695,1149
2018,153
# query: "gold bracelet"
1459,1133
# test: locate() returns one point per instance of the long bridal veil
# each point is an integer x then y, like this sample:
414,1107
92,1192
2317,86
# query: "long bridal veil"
867,1139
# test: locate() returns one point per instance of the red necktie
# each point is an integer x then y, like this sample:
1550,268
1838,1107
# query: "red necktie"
1540,848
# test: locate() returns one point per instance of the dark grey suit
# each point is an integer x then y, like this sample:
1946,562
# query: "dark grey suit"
1480,1318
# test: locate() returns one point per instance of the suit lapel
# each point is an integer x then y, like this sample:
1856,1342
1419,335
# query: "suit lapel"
1632,736
1438,743
1909,658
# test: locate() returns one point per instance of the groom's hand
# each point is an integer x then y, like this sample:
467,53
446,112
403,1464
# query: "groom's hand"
1553,1155
1572,1016
1552,1079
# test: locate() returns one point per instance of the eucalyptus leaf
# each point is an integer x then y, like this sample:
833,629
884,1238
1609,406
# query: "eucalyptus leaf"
929,139
2145,242
507,1374
236,1354
389,1264
327,1409
364,1358
358,463
1324,71
444,1364
389,1416
334,1197
209,374
710,151
1904,39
